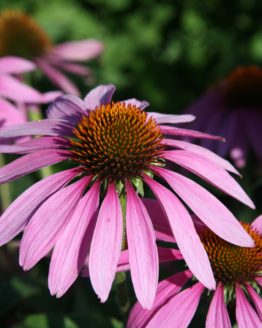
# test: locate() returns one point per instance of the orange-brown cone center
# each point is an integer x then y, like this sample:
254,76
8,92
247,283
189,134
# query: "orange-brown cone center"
230,263
21,36
116,141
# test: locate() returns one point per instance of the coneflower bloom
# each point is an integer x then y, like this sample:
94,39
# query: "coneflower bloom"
115,147
13,91
21,36
233,108
238,273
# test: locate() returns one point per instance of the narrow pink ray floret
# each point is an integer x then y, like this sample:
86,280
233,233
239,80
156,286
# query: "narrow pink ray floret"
93,209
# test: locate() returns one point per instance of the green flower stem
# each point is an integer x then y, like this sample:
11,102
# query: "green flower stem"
5,191
121,278
36,115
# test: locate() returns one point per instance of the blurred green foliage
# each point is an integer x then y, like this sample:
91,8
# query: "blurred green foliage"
166,52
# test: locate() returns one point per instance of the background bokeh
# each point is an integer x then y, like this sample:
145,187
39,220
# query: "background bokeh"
166,52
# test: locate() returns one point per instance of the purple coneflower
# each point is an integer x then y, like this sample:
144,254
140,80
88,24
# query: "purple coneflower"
115,147
17,92
21,36
238,274
233,108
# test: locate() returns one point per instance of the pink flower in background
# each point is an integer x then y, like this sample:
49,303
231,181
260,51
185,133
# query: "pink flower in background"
238,274
114,148
17,92
21,36
233,109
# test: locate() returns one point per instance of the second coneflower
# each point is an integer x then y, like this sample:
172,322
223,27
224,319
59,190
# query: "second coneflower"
114,147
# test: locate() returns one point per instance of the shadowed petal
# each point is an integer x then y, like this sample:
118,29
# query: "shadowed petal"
16,216
208,208
245,314
66,261
30,163
100,95
257,224
203,152
217,316
168,288
78,50
179,311
256,300
47,223
185,233
106,244
210,172
15,65
143,256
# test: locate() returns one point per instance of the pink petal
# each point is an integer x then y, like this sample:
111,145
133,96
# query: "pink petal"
73,68
106,244
68,107
15,65
208,208
100,95
49,127
44,228
50,96
57,77
209,171
256,300
9,114
138,103
166,289
16,216
37,144
259,280
143,256
195,149
67,259
30,163
169,130
217,316
168,118
257,224
169,254
179,311
245,314
78,50
18,91
185,234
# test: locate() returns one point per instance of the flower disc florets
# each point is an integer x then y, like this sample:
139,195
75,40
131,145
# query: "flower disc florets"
116,141
233,264
21,36
244,87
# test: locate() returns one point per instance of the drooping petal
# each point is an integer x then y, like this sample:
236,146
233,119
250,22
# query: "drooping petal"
196,149
46,127
68,107
169,130
18,91
259,280
16,216
257,224
185,234
10,114
168,288
210,172
245,314
78,50
51,96
171,119
67,259
256,300
37,144
217,316
47,223
15,65
73,68
138,103
30,163
106,244
208,208
57,77
100,95
143,256
179,311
